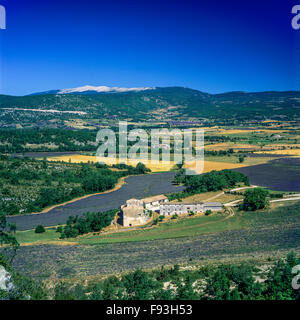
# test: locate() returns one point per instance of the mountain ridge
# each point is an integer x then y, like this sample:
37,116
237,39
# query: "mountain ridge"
87,89
154,105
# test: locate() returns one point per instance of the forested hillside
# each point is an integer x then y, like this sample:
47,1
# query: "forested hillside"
160,104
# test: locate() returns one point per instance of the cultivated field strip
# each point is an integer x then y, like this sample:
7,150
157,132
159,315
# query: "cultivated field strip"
280,174
84,260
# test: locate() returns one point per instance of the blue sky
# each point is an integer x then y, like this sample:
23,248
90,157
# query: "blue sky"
213,46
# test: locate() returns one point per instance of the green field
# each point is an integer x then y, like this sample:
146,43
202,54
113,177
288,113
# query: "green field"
181,227
31,237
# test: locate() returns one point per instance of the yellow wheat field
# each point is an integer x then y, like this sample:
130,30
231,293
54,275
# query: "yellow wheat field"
213,165
155,167
78,124
239,131
74,158
226,146
291,152
161,166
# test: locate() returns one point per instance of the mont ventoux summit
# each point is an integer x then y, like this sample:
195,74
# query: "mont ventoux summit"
150,104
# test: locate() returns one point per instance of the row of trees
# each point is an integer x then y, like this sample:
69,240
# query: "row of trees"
139,169
89,222
211,181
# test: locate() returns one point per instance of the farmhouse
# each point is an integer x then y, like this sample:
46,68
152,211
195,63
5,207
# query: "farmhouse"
133,213
170,209
153,203
136,212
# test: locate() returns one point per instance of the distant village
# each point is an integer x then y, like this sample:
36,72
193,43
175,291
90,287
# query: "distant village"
137,212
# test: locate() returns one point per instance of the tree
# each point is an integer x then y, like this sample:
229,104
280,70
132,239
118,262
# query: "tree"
96,293
278,284
12,209
7,239
40,229
44,163
60,229
62,292
89,222
218,286
246,286
141,168
155,221
138,285
185,291
111,289
255,199
208,212
241,158
212,181
12,227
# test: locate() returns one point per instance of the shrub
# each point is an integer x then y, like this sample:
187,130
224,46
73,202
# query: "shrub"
141,168
40,229
208,212
60,229
241,158
155,221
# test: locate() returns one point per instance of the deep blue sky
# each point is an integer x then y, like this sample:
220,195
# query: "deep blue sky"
213,46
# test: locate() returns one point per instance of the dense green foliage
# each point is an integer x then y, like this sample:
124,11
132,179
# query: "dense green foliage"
211,181
29,140
89,222
222,282
139,169
255,199
39,229
28,185
6,238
